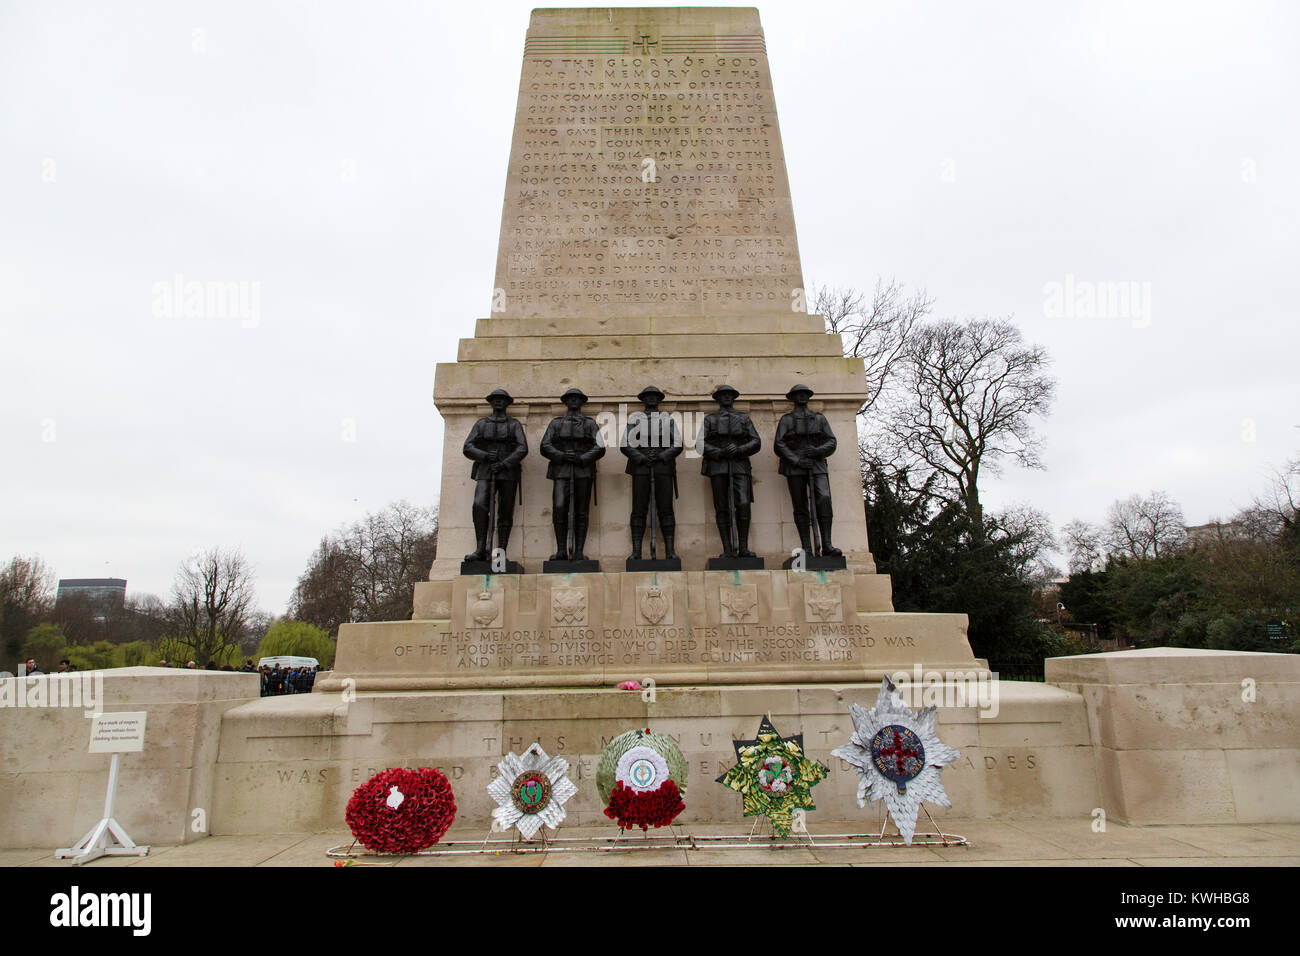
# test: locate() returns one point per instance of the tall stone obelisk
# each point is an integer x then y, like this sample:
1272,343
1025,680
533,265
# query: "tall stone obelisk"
647,237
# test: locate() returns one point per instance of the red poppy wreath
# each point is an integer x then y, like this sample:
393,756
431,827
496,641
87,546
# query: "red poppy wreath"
401,811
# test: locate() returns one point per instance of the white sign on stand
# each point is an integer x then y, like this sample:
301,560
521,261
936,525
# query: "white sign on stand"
114,734
117,733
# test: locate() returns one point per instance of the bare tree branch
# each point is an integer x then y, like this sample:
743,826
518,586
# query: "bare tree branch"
875,331
212,602
965,400
1142,528
368,571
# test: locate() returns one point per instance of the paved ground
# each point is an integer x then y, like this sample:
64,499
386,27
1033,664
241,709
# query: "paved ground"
993,843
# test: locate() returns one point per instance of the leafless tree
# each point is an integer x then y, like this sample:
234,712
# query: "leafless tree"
389,551
323,595
966,401
1277,511
368,571
25,588
1083,547
875,330
26,583
1029,537
1141,528
212,600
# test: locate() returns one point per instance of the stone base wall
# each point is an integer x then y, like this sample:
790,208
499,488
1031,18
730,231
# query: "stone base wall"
52,789
1163,736
290,764
1192,736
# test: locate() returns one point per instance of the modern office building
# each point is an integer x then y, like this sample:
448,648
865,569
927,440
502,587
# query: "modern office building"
104,594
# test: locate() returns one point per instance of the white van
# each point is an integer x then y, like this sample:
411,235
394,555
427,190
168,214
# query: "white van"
287,662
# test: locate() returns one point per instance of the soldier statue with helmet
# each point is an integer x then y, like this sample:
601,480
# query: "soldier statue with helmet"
651,442
496,444
727,441
804,441
572,444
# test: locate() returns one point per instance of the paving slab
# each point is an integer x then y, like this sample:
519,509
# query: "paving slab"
309,851
1221,861
469,859
998,840
224,851
766,856
667,857
1053,842
23,857
876,855
1063,862
47,858
1118,841
1291,830
1233,841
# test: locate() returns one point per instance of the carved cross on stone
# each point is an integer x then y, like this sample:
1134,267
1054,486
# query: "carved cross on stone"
646,42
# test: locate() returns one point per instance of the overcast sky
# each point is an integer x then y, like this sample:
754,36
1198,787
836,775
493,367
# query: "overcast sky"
346,161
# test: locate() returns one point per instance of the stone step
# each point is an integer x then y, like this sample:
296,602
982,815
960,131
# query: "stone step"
587,347
649,325
616,379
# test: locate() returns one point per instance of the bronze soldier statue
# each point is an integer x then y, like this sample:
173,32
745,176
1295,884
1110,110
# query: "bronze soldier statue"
804,441
652,443
727,441
497,445
573,444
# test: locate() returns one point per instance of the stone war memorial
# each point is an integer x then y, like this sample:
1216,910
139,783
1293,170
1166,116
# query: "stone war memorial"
650,474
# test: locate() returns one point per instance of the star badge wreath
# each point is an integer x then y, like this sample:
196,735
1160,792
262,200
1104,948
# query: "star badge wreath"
773,776
898,757
531,790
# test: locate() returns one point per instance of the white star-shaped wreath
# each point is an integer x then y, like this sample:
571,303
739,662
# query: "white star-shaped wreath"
530,790
898,757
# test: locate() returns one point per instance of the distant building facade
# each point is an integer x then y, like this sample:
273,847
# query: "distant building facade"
101,595
1215,531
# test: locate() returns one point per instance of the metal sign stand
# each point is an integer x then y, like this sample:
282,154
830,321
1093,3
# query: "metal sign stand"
106,838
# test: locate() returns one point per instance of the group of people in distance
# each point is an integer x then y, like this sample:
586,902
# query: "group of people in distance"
274,679
286,680
29,667
651,442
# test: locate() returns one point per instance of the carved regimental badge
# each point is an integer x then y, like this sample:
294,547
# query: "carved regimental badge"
823,603
569,607
483,607
654,604
738,603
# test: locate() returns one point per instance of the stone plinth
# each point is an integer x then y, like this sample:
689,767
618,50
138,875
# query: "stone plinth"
1192,736
52,789
290,764
673,627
